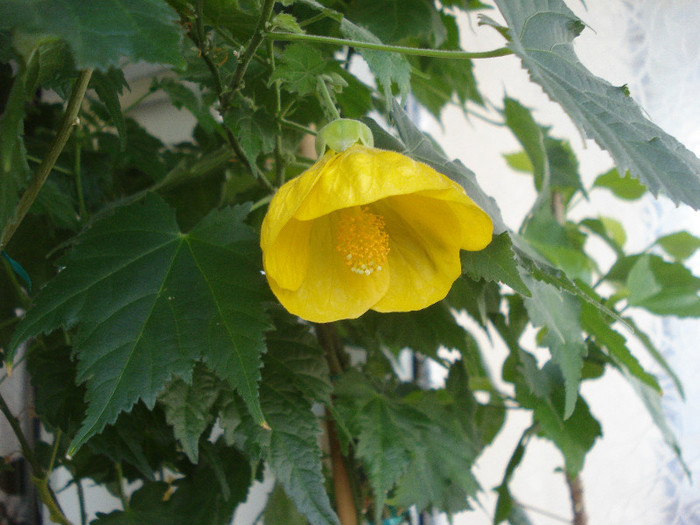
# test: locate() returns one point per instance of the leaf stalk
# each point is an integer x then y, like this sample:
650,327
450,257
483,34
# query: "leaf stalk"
404,50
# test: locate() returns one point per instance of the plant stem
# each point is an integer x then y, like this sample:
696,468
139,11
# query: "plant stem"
279,158
576,491
224,94
328,101
42,172
79,182
404,50
299,127
252,47
39,476
344,500
27,451
81,501
120,487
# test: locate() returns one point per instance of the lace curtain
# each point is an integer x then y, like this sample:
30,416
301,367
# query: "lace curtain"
663,53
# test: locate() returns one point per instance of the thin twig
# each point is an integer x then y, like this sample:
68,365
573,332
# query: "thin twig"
225,94
252,47
280,165
42,172
39,475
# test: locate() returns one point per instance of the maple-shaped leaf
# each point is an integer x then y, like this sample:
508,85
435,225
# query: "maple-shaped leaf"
294,375
188,408
150,301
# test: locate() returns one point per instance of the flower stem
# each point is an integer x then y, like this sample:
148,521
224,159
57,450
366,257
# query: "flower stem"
327,100
42,172
404,50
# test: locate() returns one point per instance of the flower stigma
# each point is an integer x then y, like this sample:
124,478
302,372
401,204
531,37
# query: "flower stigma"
362,241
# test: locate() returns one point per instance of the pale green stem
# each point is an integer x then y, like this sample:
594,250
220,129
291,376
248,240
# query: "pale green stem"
404,50
326,97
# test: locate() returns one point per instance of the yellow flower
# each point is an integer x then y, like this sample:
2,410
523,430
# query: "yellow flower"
367,229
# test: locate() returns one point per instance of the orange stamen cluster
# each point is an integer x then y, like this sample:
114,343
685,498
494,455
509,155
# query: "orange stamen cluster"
362,241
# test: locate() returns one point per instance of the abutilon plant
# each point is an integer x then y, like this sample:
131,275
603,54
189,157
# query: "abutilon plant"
185,311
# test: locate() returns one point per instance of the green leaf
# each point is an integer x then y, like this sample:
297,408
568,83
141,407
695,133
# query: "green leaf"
57,399
280,509
541,34
254,128
680,245
109,86
609,230
387,67
479,298
652,402
622,187
101,34
140,439
147,505
299,67
505,503
495,263
661,287
573,436
530,136
424,331
150,301
394,20
558,312
551,160
13,161
416,442
188,408
286,22
561,244
294,375
382,444
594,323
519,161
57,204
440,473
207,495
440,82
211,491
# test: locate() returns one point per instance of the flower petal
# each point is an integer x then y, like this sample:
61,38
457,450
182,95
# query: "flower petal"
475,224
424,245
330,291
288,199
286,260
362,175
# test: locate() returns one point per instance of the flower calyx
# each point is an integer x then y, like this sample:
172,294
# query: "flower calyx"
341,134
